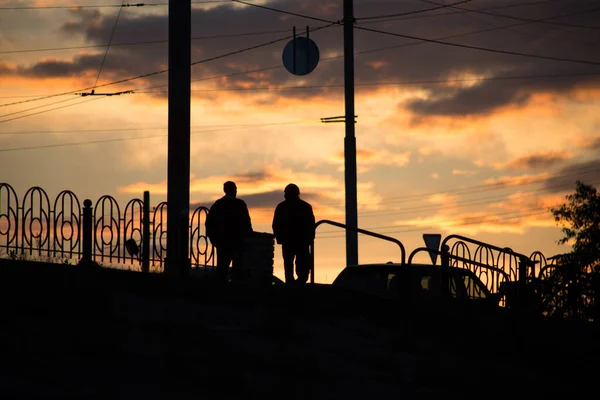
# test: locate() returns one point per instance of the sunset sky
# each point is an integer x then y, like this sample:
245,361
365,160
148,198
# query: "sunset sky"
478,139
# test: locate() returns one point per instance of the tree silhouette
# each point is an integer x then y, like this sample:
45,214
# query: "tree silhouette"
580,217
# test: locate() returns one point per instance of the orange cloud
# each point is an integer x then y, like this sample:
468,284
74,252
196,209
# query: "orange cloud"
506,181
369,158
537,160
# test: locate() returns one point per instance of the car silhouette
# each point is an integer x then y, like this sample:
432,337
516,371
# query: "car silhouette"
416,282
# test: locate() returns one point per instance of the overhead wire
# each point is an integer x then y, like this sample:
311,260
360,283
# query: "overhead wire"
228,35
164,70
509,27
38,147
252,33
37,107
398,83
480,201
418,40
483,12
77,6
442,14
436,41
164,128
439,7
480,48
390,48
485,187
454,223
51,109
112,34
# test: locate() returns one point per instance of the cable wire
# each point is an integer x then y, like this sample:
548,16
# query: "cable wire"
439,7
468,10
112,34
105,5
419,16
229,35
286,12
52,109
479,48
38,147
161,71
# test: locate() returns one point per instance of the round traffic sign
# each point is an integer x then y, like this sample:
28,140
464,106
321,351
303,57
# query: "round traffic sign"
301,56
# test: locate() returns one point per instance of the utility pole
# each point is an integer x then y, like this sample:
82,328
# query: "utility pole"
178,158
350,139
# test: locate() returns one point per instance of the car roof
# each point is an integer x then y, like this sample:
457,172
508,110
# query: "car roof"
397,267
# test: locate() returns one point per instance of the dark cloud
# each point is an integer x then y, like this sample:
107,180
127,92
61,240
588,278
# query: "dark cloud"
564,179
404,60
538,161
252,177
594,144
479,99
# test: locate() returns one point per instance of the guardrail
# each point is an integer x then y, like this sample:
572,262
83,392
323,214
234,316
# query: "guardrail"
363,231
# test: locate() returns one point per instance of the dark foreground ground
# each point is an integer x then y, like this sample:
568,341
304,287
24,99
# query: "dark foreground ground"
68,332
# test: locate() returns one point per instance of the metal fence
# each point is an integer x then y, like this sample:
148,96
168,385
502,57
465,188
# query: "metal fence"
67,230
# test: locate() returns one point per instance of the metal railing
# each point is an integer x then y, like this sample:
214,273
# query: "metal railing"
67,231
363,231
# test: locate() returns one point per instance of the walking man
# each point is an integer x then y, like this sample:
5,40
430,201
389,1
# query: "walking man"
227,224
294,229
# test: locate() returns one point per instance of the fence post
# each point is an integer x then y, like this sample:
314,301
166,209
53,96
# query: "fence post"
87,228
523,294
445,259
146,233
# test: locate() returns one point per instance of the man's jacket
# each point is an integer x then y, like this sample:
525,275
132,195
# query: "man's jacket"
228,222
294,222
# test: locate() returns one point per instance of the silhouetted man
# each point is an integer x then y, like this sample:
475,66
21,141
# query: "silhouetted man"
227,224
294,229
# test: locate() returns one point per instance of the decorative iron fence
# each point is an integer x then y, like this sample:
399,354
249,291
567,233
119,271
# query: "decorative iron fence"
66,231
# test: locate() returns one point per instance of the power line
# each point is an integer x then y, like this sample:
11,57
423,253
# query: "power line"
154,129
467,218
479,48
420,40
51,109
486,187
452,222
399,83
436,41
523,19
228,35
162,71
376,50
37,107
38,147
419,16
439,7
472,202
286,12
508,27
105,5
112,34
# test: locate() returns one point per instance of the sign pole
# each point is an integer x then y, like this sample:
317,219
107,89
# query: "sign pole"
178,157
350,139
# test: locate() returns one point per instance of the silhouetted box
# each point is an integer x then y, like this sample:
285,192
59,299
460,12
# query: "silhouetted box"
257,260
